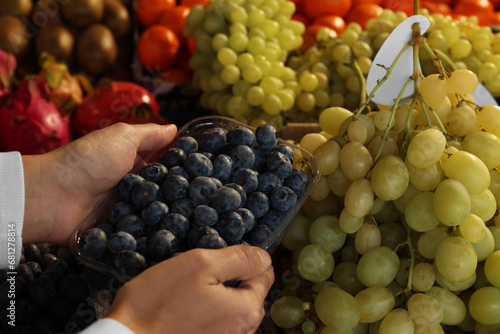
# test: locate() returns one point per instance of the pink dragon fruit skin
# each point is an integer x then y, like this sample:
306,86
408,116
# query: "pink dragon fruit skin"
8,66
30,123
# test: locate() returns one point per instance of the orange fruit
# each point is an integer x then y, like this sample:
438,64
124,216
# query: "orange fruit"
158,48
363,12
148,12
175,19
334,22
316,8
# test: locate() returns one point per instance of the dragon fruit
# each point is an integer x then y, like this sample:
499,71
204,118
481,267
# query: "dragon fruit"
30,122
8,66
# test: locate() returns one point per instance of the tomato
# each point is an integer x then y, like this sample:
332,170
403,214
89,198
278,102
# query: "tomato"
495,18
192,3
363,12
299,6
482,9
301,18
175,19
357,2
148,12
309,36
316,8
400,6
437,7
191,45
331,21
158,47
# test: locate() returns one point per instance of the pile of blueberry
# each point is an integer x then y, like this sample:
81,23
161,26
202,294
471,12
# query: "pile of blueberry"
224,187
46,293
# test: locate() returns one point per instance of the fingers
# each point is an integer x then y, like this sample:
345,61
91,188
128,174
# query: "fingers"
153,136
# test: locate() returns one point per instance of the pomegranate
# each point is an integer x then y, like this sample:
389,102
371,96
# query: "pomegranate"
113,102
30,123
8,66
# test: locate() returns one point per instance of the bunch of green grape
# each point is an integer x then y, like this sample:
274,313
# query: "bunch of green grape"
241,48
401,234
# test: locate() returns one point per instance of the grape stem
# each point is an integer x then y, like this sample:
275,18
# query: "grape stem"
362,82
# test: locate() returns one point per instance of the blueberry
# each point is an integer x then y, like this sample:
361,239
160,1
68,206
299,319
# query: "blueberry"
121,240
266,136
242,156
258,203
259,164
48,258
212,140
240,135
94,244
248,218
200,189
258,235
272,218
107,228
161,245
286,150
26,314
188,144
74,288
283,199
222,167
25,272
178,170
177,224
225,199
42,291
205,215
230,226
125,186
197,232
217,182
32,252
154,172
240,190
197,164
209,155
247,178
154,212
132,224
279,164
129,262
173,157
142,246
268,181
119,210
35,268
144,194
183,206
175,187
60,266
211,241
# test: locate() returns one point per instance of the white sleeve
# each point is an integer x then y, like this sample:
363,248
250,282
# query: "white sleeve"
107,326
11,208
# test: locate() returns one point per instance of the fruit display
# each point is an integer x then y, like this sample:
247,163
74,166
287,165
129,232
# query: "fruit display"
401,233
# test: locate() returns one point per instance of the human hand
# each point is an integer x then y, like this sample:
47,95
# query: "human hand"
64,185
185,294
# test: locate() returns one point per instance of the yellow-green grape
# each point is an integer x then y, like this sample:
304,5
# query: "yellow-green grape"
389,178
461,48
392,233
328,156
355,160
424,310
308,81
375,303
230,74
469,170
462,120
491,268
297,236
311,141
378,267
489,119
438,329
485,146
420,214
456,259
423,276
452,202
462,82
345,276
367,237
484,305
272,105
485,246
251,73
473,229
321,190
255,95
339,183
426,148
396,322
337,309
349,224
424,179
495,184
288,311
434,89
429,242
442,112
332,118
402,202
315,263
403,274
358,199
453,307
326,231
455,286
305,101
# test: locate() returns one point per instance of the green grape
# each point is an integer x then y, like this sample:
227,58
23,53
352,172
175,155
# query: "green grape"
426,148
272,104
473,229
429,242
456,259
434,89
308,327
241,87
328,156
461,48
230,74
305,101
219,41
396,322
485,146
392,234
424,310
238,41
423,276
484,305
491,268
345,276
355,160
297,236
378,267
420,214
238,14
389,178
358,199
288,311
438,329
349,224
271,85
462,82
495,232
227,56
375,303
251,73
454,286
424,179
315,263
485,246
337,309
325,230
453,307
237,106
452,202
367,237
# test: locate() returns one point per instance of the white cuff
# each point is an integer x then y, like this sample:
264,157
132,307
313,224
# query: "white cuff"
11,209
107,326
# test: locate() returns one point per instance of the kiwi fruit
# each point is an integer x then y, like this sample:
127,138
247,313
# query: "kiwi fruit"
46,11
56,39
96,49
82,13
116,17
17,8
14,36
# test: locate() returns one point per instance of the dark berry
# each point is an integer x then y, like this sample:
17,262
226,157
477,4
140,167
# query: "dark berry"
242,156
173,157
225,199
94,243
154,212
35,268
268,181
107,228
222,167
260,160
183,206
197,164
230,226
119,210
248,218
42,291
154,172
258,235
247,178
286,150
132,224
211,241
48,258
175,187
297,181
283,199
188,144
32,252
205,215
142,246
212,140
197,232
125,186
258,203
240,135
129,263
240,190
177,224
279,164
25,272
266,136
178,170
200,189
121,240
144,194
272,218
162,244
73,288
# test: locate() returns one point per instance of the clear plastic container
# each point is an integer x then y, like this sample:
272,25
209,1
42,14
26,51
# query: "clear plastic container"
103,276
